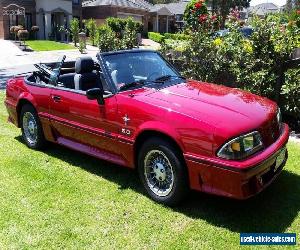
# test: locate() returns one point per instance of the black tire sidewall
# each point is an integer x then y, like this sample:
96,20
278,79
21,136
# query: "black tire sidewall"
40,143
180,186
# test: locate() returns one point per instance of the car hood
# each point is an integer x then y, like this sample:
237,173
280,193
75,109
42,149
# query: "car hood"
229,110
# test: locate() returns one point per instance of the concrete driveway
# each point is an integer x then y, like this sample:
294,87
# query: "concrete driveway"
14,61
11,56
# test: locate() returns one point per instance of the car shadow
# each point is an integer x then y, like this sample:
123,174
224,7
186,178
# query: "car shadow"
273,210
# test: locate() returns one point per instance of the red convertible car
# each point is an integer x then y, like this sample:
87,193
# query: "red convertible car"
134,109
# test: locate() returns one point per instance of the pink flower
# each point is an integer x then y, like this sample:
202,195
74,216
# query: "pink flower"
198,5
202,18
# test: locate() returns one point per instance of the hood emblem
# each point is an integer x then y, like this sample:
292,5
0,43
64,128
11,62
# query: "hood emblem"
126,119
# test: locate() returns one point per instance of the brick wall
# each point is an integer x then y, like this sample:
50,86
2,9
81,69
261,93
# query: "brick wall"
100,13
77,10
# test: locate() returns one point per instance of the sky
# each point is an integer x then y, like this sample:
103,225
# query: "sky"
277,2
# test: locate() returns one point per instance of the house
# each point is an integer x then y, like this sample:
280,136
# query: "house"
177,11
154,18
261,10
48,15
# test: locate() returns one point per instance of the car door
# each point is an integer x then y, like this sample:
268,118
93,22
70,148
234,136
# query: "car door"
83,124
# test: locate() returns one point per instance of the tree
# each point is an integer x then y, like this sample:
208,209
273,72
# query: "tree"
292,4
223,7
92,26
74,26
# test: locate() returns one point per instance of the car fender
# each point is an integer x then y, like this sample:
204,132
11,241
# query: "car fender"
28,97
160,127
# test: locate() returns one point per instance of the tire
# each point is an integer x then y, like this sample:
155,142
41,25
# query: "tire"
162,172
32,131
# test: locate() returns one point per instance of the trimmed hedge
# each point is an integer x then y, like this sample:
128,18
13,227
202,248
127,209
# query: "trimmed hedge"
177,36
119,24
156,37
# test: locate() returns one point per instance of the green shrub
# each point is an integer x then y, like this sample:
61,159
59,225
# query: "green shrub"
177,36
106,39
129,39
157,37
118,25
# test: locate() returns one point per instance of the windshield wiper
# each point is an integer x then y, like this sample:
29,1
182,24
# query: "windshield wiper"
132,84
168,77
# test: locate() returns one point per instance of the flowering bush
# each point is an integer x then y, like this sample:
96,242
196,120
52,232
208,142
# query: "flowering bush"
197,16
259,64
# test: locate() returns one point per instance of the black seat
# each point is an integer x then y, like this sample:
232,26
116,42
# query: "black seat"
67,80
86,77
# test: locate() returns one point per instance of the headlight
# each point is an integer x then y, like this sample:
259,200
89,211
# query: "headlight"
241,147
279,117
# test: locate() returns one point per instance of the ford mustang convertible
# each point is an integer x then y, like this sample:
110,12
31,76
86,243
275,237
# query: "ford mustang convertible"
132,108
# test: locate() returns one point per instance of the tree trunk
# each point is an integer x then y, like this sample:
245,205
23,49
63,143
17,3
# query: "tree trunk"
223,13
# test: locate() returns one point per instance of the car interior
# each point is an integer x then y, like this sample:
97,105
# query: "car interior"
81,75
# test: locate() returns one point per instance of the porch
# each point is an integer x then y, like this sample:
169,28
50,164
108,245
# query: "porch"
52,23
160,19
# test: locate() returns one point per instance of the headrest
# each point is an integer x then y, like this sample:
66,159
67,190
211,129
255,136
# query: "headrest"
84,64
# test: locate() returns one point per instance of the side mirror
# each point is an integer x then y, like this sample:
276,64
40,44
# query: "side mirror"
95,94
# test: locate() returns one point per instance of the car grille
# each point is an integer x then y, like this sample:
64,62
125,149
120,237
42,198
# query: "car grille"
270,131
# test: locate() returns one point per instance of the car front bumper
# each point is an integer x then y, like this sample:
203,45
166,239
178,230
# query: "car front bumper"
239,179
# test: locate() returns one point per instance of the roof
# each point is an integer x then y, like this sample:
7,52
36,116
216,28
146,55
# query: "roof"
160,9
268,6
177,8
136,4
264,8
174,8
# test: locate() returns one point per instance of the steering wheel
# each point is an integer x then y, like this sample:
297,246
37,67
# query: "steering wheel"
45,71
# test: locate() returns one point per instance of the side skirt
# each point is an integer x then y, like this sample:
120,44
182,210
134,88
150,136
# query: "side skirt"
92,151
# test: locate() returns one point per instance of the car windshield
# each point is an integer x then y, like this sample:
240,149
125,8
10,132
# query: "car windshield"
138,67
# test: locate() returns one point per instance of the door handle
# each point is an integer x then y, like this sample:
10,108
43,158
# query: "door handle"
56,98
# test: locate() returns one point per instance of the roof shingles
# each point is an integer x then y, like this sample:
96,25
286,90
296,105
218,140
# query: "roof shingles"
136,4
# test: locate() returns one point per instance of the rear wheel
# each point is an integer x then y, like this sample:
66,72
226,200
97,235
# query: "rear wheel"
32,131
162,172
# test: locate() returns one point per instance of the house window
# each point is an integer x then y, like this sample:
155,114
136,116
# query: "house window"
76,1
13,20
28,21
179,18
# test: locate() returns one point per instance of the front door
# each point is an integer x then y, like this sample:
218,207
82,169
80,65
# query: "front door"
83,124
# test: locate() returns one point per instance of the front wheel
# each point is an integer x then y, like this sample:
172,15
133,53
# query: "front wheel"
162,172
32,131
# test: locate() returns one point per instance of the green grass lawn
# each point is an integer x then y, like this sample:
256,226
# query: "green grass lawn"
63,199
44,45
